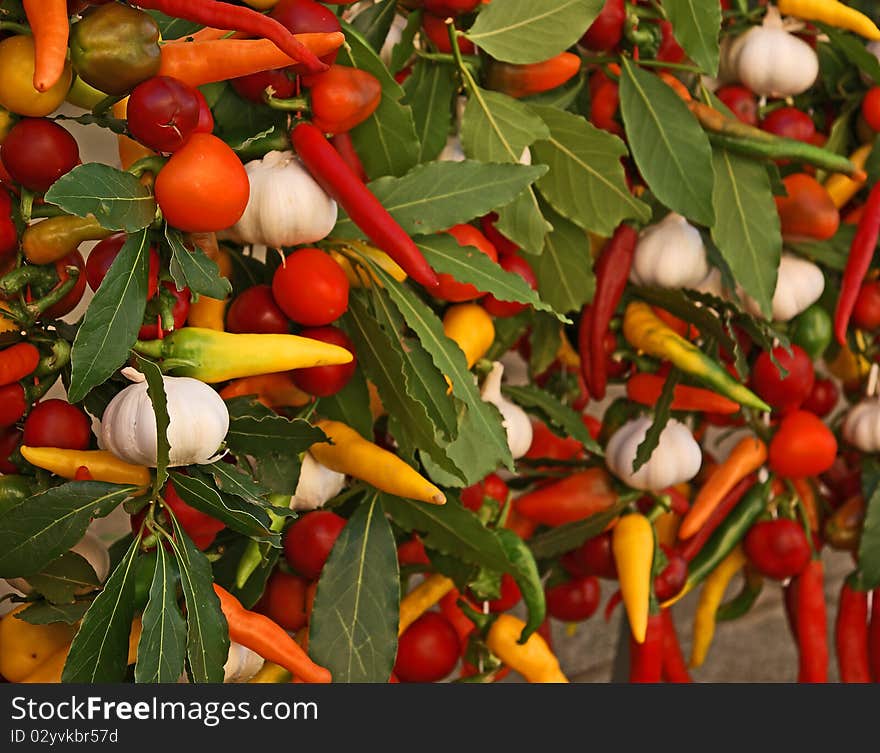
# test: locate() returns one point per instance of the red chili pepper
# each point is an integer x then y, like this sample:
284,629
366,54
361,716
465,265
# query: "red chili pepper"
340,181
646,389
646,659
343,144
692,546
237,18
573,498
874,635
342,97
861,251
810,625
851,635
17,361
83,474
12,404
585,329
456,616
532,78
677,500
674,665
612,272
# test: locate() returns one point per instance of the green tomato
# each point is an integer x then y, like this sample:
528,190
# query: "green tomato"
812,330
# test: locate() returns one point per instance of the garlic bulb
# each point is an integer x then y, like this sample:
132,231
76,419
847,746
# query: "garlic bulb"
670,254
677,457
861,427
198,422
317,484
241,663
286,205
799,285
515,420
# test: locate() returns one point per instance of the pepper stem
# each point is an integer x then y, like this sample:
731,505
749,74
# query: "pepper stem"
294,104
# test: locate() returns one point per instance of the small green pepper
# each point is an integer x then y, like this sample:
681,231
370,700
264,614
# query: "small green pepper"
811,329
14,489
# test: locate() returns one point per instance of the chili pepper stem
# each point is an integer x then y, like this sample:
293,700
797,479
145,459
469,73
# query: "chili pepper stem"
293,104
106,103
152,164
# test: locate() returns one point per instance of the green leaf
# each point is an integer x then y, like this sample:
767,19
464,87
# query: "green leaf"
159,400
207,635
256,436
670,148
523,31
173,28
696,26
437,195
386,142
586,182
565,420
497,128
353,626
374,22
351,405
278,471
231,479
59,581
523,222
99,652
237,120
46,613
112,320
39,529
662,411
429,91
117,200
832,253
194,270
565,268
469,265
747,232
240,515
854,51
545,339
162,645
561,539
869,542
403,51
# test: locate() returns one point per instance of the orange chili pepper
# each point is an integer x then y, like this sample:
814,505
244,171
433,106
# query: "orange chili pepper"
272,390
646,389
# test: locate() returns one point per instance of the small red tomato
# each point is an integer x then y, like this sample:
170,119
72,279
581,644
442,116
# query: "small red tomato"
492,486
412,552
256,86
509,598
169,297
306,17
452,290
307,543
163,112
323,381
822,398
807,213
10,439
671,579
516,264
787,393
62,270
342,97
871,108
254,310
596,557
778,548
311,288
36,152
802,446
606,31
574,600
101,257
57,423
790,123
284,600
741,101
866,313
8,231
428,650
199,526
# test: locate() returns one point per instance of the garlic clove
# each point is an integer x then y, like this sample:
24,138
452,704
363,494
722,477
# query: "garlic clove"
514,419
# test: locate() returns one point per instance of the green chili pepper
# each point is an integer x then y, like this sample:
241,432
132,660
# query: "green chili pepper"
527,578
255,552
14,489
740,604
812,330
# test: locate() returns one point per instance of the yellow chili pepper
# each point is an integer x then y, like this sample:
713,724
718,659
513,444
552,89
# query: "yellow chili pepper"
102,465
667,527
353,455
358,275
471,327
422,598
207,312
271,673
832,13
632,544
533,659
710,600
849,367
567,355
49,240
25,647
842,188
644,330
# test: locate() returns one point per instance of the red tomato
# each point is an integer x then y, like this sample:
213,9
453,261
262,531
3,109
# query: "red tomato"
323,381
492,486
284,600
778,548
10,439
606,31
790,123
8,231
428,650
574,600
502,244
69,302
452,290
509,598
57,423
305,17
254,87
742,102
517,265
871,108
802,446
596,557
37,151
254,310
342,97
808,211
784,394
307,543
163,113
435,29
822,398
199,526
311,288
671,579
203,187
412,552
866,314
169,296
103,255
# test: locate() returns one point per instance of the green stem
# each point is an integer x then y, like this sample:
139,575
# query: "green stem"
27,204
16,27
294,104
56,294
151,348
46,210
31,274
106,103
152,164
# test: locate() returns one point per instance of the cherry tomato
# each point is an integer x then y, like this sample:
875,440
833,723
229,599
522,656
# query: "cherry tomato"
871,108
428,650
492,486
435,29
163,113
574,600
596,557
808,211
203,187
284,600
8,232
671,579
452,290
509,598
199,526
169,296
254,310
254,87
412,552
57,423
778,548
790,123
866,314
342,97
311,288
307,543
305,17
10,439
784,394
323,381
516,264
503,245
802,446
606,31
822,398
70,301
742,102
103,255
446,8
37,152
